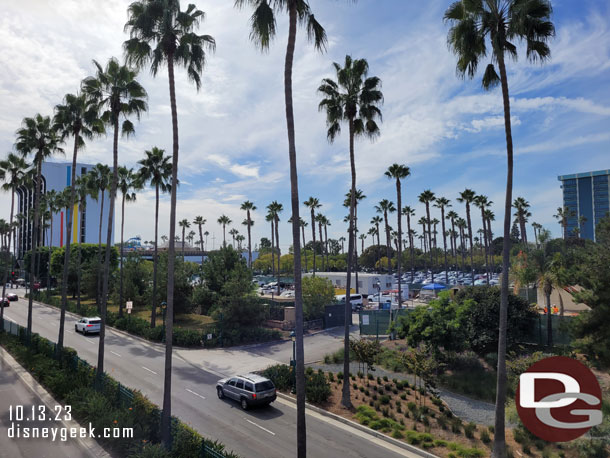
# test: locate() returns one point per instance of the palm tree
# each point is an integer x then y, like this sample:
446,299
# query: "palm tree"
83,190
501,21
521,206
461,225
320,221
275,208
239,238
50,203
386,206
39,138
426,198
76,117
271,219
398,172
263,23
536,227
489,217
13,170
354,98
161,33
313,204
99,179
199,222
119,95
224,221
376,221
326,223
359,197
128,182
453,216
467,197
442,203
482,202
249,207
206,233
233,233
303,225
562,216
156,169
184,224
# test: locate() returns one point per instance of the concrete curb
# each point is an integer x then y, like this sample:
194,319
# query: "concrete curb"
90,446
362,428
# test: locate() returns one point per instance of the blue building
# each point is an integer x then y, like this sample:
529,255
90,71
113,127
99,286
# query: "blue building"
585,194
85,221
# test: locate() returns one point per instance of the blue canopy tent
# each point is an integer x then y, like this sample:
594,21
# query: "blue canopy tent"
435,286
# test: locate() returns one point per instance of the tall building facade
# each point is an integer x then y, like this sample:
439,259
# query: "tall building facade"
85,220
585,195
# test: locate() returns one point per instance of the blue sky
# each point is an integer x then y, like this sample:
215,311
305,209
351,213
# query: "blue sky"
233,136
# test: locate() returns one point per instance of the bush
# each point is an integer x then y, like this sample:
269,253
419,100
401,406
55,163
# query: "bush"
317,388
469,430
385,399
484,436
186,337
280,375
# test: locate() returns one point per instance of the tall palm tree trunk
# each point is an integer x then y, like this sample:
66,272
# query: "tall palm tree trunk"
470,239
183,231
399,216
345,397
69,211
169,320
430,239
378,247
153,314
99,256
304,250
322,244
121,260
499,447
272,250
388,241
112,197
355,245
249,241
34,246
444,244
486,245
277,242
326,244
10,266
249,252
294,194
313,238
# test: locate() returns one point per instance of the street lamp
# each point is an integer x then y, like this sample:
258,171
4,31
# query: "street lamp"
293,361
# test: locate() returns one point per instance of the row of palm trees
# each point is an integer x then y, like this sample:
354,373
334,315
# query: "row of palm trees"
162,34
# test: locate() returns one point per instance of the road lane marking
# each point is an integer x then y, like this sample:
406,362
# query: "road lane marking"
196,394
259,426
146,368
90,341
115,353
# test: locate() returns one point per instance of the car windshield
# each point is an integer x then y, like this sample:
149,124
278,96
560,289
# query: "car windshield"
264,386
95,321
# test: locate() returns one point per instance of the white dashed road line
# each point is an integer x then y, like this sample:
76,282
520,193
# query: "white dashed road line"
146,368
115,353
259,426
196,394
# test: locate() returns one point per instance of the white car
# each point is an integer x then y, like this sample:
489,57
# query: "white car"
88,325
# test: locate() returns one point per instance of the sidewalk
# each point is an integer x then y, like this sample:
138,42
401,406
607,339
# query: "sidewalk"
18,387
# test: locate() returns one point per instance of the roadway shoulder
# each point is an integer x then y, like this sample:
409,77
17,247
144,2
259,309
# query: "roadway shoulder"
89,446
362,428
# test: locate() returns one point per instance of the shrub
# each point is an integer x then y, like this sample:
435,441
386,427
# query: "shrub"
469,430
317,388
403,396
331,377
360,388
442,422
385,411
360,374
385,399
388,387
355,386
385,378
366,392
484,436
369,376
397,434
186,337
280,375
340,375
411,406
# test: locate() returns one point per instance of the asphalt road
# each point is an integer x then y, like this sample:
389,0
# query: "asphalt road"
266,432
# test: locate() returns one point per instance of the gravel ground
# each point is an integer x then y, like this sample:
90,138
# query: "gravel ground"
467,409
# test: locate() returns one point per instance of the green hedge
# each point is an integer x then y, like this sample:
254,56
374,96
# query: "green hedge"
71,381
317,387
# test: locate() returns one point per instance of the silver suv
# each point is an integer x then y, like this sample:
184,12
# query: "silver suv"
249,390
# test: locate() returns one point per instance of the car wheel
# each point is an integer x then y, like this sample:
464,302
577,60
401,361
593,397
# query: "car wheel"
85,332
244,404
220,393
75,328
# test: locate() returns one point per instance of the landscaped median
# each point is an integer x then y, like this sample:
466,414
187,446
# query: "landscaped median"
71,381
209,335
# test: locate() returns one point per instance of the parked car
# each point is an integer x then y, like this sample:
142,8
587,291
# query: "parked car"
12,297
355,299
4,302
88,325
249,390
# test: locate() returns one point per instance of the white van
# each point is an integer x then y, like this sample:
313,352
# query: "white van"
355,299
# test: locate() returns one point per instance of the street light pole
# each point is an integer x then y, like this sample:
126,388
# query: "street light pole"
293,361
